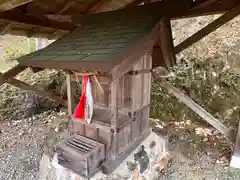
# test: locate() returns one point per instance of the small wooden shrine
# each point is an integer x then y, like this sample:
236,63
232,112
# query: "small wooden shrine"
114,48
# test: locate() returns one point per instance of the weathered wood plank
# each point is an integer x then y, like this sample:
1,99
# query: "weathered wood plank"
228,16
198,109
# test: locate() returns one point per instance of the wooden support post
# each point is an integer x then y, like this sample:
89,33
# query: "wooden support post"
114,102
198,109
228,16
114,111
166,42
69,94
235,161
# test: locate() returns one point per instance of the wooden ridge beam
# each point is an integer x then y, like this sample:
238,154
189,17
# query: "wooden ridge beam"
42,21
228,16
198,109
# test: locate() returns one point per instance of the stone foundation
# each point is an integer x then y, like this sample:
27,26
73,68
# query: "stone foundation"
140,164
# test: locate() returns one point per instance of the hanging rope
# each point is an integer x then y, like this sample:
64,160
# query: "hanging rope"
94,75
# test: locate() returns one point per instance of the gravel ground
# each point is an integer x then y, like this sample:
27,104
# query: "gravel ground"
197,152
23,142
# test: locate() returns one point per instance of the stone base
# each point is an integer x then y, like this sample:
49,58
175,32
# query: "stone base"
140,164
235,161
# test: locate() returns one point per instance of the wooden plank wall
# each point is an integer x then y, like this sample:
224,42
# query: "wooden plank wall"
140,100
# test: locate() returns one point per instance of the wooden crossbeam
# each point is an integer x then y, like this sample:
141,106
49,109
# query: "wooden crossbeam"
198,109
228,16
7,77
6,5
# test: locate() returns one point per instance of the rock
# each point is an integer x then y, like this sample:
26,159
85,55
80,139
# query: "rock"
21,133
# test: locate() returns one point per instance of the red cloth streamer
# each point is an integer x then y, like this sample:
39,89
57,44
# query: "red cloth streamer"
80,110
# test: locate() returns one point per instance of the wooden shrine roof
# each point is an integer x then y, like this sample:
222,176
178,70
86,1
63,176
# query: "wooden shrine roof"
101,41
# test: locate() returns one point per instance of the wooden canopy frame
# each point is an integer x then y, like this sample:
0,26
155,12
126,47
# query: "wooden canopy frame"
164,49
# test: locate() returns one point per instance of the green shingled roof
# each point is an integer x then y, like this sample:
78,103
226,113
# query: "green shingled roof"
99,37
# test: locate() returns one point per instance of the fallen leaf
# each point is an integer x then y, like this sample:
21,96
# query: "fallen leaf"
163,163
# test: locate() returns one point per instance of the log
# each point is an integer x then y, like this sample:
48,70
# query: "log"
198,109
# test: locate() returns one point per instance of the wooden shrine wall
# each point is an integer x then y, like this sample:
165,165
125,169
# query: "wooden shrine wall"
133,109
